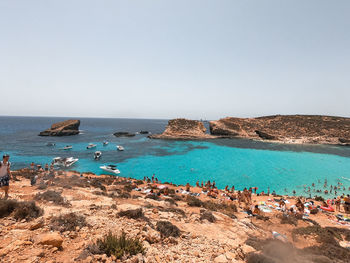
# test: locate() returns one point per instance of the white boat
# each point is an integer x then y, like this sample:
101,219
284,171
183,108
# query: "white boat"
105,143
50,144
120,148
97,155
91,145
110,168
65,162
67,147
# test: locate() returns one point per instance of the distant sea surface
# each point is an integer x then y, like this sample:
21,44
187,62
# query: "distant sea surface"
238,162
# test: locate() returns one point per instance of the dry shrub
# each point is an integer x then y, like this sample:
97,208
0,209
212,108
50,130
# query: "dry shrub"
153,196
193,201
174,210
52,196
132,213
128,187
42,186
67,222
20,210
208,216
119,246
167,229
138,182
170,201
286,219
175,197
124,195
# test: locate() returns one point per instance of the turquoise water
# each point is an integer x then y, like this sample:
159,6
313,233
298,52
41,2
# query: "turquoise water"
241,163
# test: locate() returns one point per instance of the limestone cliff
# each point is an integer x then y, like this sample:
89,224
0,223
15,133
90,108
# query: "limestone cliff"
183,129
286,128
63,128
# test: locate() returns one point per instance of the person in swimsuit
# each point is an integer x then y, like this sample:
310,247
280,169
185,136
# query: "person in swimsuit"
5,174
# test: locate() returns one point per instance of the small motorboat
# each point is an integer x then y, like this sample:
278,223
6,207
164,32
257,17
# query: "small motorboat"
105,143
110,168
51,144
67,147
91,145
120,148
97,155
64,162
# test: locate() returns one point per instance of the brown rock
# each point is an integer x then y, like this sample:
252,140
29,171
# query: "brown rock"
221,259
64,128
183,129
53,239
286,128
36,225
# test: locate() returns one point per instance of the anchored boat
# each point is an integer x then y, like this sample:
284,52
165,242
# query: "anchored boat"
67,147
91,145
120,148
97,155
110,168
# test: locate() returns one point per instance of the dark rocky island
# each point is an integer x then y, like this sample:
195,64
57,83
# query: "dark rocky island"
63,128
313,129
123,134
183,129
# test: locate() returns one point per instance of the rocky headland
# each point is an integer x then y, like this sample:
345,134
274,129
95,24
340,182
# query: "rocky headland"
183,129
313,129
63,128
298,129
89,218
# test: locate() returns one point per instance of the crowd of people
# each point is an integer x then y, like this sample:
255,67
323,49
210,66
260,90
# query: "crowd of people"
243,198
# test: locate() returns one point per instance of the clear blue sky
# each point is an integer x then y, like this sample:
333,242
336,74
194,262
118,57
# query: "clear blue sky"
166,59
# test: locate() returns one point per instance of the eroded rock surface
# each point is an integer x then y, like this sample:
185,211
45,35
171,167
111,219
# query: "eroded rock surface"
183,129
63,128
286,128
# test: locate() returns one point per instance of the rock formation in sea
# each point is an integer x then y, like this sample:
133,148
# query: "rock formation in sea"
286,128
183,129
63,128
123,134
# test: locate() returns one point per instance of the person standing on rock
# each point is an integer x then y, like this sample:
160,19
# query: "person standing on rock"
5,174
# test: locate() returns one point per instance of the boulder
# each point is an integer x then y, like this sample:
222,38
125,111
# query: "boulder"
37,224
221,259
52,239
63,128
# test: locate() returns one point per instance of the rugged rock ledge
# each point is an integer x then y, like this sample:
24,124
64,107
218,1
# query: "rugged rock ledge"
63,128
286,128
183,129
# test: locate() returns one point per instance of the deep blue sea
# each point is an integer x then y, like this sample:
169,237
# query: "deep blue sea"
237,162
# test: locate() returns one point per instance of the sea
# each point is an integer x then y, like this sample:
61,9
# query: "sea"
233,162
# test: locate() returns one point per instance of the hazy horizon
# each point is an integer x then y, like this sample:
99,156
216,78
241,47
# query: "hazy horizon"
195,59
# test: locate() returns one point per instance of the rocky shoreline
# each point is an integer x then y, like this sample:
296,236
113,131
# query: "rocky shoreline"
70,213
293,129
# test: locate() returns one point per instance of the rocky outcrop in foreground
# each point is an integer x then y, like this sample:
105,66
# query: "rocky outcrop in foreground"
286,128
183,129
74,218
63,128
